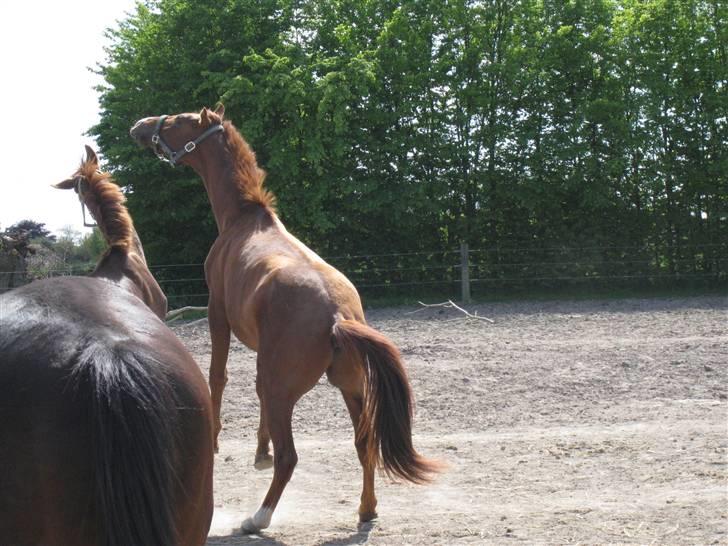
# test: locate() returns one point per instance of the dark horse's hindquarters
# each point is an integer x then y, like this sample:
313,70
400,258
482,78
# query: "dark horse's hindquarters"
105,421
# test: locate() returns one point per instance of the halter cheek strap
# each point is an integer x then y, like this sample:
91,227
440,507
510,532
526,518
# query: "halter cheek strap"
166,153
80,191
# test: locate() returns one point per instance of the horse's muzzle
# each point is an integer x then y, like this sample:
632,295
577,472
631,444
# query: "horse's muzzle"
142,131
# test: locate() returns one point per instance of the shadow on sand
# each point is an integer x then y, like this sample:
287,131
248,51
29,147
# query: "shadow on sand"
237,538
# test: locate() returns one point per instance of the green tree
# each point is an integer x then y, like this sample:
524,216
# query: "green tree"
168,57
33,230
589,135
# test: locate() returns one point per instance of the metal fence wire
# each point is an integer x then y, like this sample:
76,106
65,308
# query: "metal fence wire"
466,273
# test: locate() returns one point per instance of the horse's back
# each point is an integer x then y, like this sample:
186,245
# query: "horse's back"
254,272
81,361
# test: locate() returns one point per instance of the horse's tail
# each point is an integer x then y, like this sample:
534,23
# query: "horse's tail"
386,421
131,410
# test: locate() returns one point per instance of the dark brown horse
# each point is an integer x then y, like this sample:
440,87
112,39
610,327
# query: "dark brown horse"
301,315
106,431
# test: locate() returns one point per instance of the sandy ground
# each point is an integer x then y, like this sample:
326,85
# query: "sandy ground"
562,422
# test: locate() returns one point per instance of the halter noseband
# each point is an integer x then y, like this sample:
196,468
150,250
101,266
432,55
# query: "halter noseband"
165,153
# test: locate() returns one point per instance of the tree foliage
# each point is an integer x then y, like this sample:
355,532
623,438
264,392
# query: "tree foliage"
31,229
29,251
597,127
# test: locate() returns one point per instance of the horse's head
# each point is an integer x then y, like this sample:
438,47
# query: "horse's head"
176,137
85,182
125,258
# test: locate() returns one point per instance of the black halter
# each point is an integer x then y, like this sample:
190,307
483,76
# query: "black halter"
166,153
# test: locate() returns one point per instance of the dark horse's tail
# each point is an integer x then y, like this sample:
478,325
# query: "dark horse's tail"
131,411
386,421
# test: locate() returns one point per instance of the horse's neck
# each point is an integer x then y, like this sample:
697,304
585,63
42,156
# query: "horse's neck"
129,271
118,264
137,246
217,173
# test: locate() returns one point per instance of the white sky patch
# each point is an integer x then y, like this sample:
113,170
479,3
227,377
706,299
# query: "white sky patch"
49,102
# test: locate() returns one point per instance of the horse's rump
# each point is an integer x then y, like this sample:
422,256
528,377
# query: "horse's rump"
132,413
100,428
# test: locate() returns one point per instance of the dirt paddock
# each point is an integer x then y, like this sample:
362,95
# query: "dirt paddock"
562,422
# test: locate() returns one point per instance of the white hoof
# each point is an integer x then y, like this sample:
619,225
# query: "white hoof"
259,521
249,527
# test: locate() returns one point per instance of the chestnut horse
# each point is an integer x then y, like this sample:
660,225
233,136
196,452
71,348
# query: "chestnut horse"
302,316
106,431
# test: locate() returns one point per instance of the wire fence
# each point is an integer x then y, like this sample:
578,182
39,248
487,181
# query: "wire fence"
481,272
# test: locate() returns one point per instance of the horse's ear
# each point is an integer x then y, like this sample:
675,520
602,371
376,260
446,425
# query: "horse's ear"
67,184
220,109
204,117
91,156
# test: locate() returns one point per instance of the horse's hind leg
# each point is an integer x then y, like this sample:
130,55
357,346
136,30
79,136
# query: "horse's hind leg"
348,376
368,506
286,371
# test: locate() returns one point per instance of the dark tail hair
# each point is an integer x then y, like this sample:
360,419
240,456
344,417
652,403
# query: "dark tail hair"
386,420
131,410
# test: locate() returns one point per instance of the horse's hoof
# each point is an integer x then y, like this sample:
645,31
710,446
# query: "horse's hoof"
249,528
367,516
263,462
259,521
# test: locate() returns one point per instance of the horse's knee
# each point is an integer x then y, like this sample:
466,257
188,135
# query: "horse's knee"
284,461
218,378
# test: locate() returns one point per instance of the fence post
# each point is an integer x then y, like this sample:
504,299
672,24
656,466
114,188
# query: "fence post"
464,273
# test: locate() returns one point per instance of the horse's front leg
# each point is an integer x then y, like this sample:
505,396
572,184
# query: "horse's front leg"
263,458
220,337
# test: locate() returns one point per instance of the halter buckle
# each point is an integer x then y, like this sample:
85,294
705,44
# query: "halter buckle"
190,146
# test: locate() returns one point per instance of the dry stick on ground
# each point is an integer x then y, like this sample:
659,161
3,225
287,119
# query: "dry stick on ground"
177,313
450,304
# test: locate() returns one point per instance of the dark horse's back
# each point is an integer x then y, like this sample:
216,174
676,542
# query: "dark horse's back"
105,422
